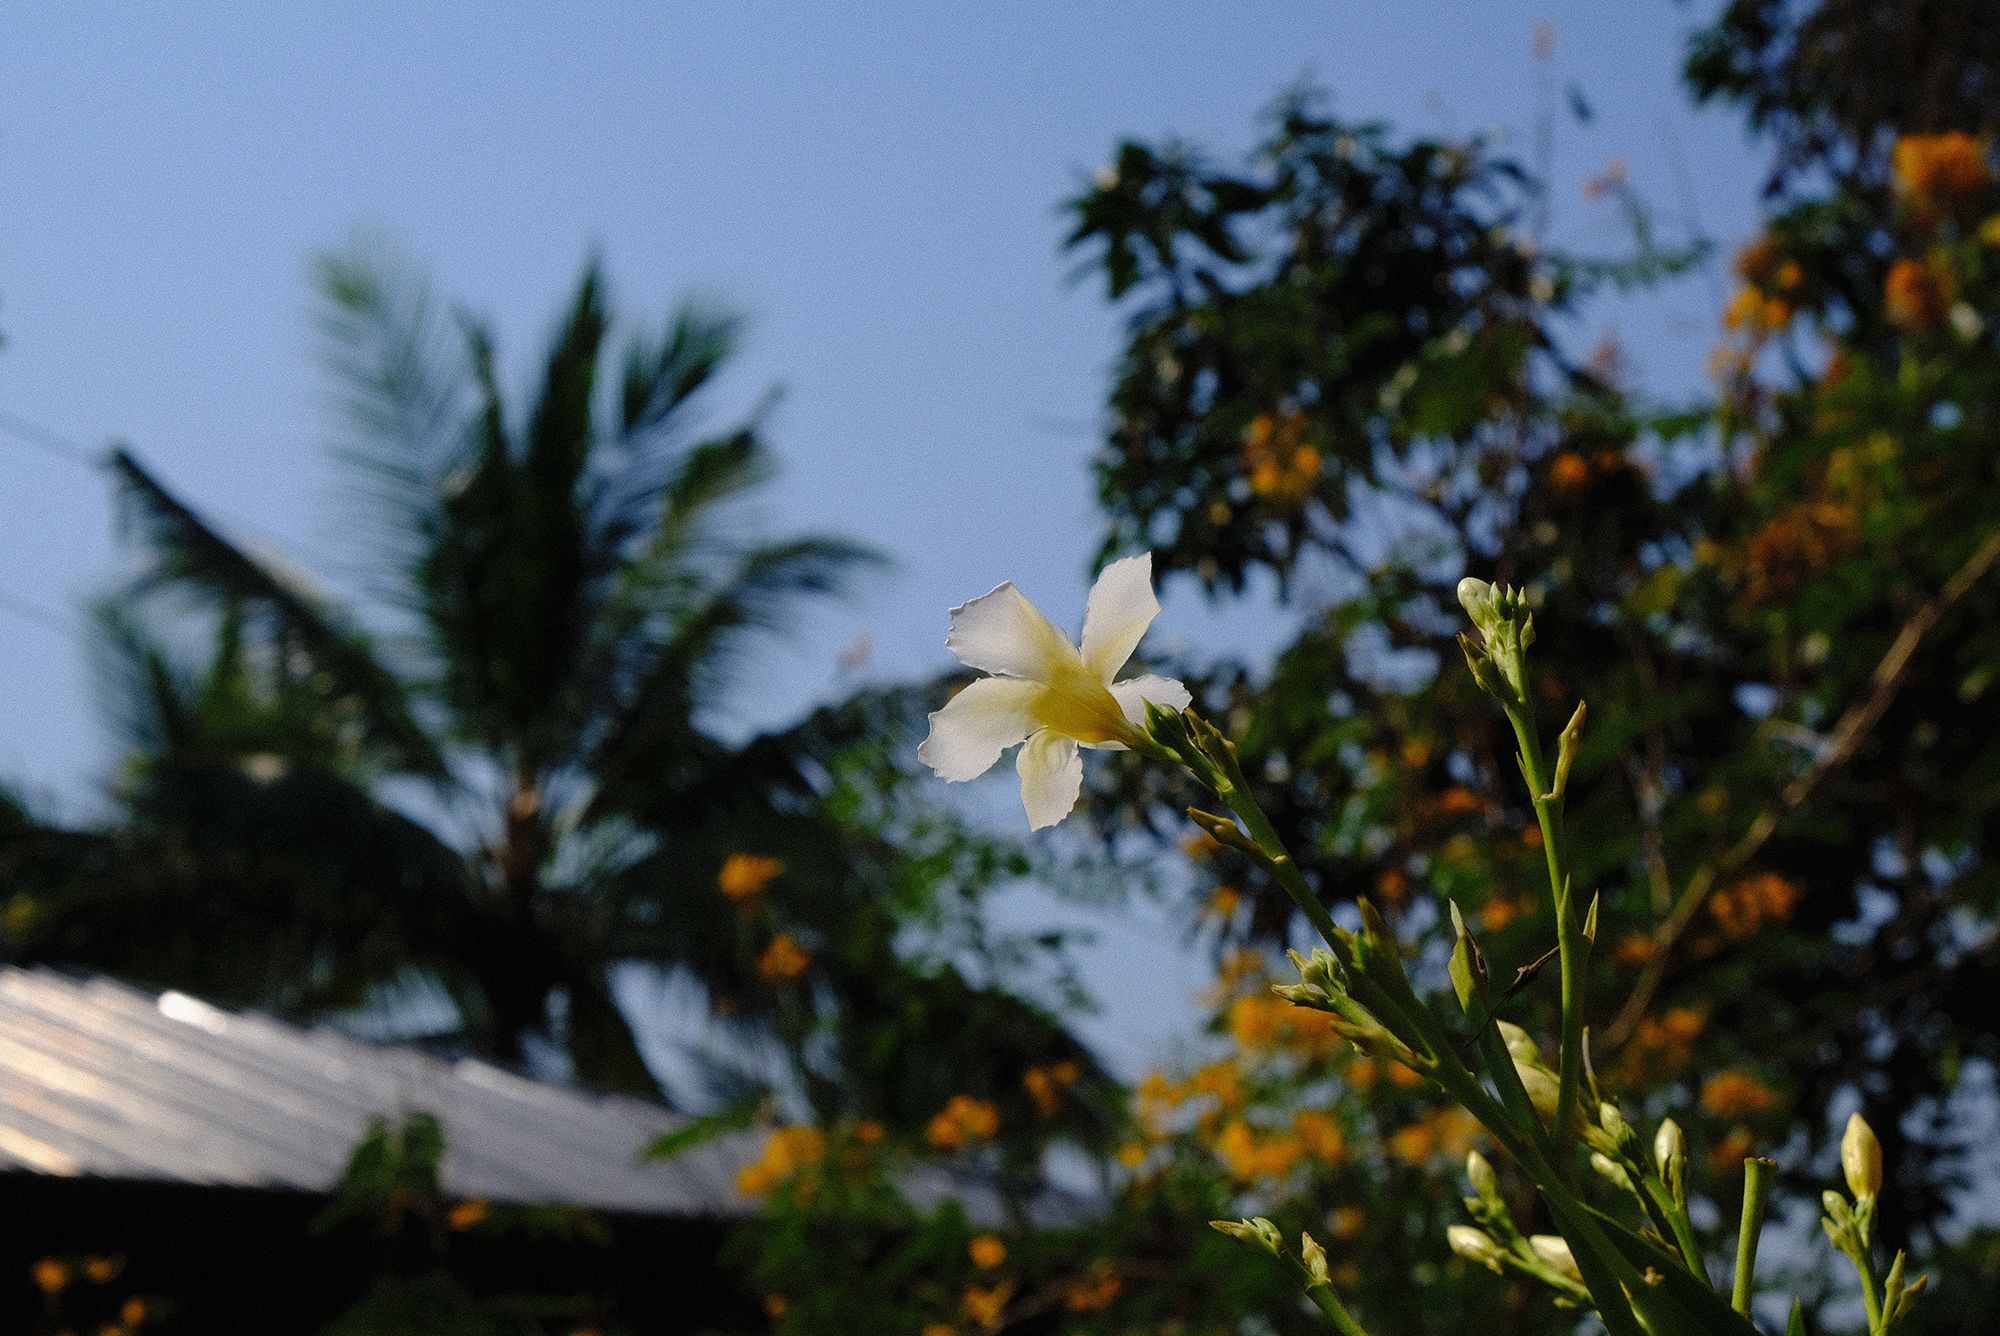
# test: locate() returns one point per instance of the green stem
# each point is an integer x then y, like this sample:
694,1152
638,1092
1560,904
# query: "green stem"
1336,1312
1514,1095
1678,1224
1870,1299
1569,931
1677,1216
1756,1192
1606,1273
1227,781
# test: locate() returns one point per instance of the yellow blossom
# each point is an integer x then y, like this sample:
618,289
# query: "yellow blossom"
1249,1157
1729,1153
1093,1295
984,1305
1736,1094
1282,466
786,1152
1635,949
744,876
1320,1136
1916,295
1932,165
987,1251
1741,907
783,959
1569,471
963,1118
1413,1144
467,1214
1199,845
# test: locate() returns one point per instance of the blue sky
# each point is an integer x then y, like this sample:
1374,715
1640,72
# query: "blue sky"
874,185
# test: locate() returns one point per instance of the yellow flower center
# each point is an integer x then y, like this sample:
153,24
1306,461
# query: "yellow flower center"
1077,705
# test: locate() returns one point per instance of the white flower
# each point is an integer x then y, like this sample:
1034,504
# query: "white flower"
1047,693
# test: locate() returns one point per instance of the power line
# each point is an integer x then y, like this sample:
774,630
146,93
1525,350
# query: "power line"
28,610
54,443
61,447
50,442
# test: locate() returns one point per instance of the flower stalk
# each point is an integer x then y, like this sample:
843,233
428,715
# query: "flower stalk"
1756,1193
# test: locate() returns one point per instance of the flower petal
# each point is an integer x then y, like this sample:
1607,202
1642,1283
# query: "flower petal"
1051,777
976,725
1162,691
1002,632
1121,607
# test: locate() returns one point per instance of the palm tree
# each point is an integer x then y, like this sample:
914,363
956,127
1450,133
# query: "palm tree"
568,594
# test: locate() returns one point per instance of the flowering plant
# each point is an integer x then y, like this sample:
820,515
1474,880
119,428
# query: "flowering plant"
1625,1247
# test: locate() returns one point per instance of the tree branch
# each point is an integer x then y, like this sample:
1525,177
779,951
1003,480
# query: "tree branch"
1840,747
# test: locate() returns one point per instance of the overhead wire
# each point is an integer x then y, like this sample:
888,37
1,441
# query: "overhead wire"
54,443
60,447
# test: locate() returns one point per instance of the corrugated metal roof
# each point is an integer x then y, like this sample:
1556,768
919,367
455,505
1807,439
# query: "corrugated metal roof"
101,1079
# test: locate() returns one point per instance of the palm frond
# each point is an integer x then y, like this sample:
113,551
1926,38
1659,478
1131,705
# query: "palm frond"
602,1049
191,555
294,890
652,729
401,383
643,483
662,374
136,687
560,430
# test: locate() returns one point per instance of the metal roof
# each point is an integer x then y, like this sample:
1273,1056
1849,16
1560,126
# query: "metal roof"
98,1078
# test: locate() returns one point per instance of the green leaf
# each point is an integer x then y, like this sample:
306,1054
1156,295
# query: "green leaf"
708,1127
1680,1304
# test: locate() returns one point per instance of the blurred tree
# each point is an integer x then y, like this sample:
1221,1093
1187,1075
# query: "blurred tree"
1341,370
568,591
1833,85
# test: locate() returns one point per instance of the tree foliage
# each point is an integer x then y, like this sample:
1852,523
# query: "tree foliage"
470,815
1343,370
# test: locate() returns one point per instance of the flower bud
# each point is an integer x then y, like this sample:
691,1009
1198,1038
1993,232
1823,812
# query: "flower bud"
1521,1044
1321,970
1303,995
1476,597
1613,1122
1476,1245
1314,1257
1611,1170
1544,1092
1484,1183
1861,1158
1554,1249
1668,1146
1258,1233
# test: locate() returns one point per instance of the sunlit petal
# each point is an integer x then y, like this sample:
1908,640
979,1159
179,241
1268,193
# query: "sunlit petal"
1122,606
1051,777
1162,691
976,725
1002,632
